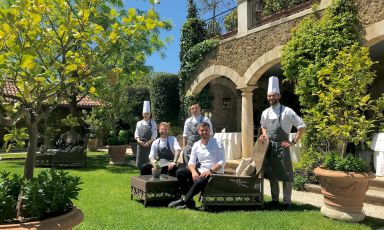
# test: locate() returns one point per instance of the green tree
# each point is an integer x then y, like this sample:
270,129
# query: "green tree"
51,48
165,97
214,5
192,32
313,45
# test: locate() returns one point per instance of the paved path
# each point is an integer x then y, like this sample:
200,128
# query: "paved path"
316,200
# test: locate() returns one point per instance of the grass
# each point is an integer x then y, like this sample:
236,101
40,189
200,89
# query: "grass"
105,201
13,155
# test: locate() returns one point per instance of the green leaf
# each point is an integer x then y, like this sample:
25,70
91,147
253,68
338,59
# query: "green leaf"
27,62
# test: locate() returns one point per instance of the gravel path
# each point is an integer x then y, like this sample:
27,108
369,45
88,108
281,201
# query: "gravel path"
316,200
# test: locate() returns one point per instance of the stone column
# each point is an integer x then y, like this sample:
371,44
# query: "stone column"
242,17
247,121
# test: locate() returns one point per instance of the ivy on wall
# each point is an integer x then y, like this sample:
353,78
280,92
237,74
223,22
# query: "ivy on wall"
195,55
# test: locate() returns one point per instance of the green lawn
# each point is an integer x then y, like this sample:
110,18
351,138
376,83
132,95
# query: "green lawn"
105,201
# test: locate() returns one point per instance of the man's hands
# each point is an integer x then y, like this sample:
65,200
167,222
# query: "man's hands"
263,137
287,144
171,165
144,144
195,175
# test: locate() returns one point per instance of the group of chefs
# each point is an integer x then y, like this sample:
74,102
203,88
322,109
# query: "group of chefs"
202,155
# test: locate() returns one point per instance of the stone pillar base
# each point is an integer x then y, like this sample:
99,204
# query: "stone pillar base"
343,216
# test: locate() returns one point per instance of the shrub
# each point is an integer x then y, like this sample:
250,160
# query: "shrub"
165,97
118,138
9,190
49,194
348,163
303,171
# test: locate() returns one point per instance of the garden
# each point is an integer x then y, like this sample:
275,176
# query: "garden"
96,50
105,201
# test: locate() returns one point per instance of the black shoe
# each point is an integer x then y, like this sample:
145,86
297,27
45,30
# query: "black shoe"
286,207
191,204
272,204
176,203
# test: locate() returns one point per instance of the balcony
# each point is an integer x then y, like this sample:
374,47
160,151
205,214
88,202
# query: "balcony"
250,14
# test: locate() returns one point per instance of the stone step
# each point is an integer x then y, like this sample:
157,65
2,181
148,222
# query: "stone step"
377,184
373,196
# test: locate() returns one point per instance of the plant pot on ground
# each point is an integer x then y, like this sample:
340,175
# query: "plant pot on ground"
117,146
344,182
93,143
46,201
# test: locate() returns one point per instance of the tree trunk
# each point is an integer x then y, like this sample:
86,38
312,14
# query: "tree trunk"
29,163
32,148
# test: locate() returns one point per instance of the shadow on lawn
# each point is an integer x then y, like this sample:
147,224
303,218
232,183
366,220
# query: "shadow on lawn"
294,208
96,162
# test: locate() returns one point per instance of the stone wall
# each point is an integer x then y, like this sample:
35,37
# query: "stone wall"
240,53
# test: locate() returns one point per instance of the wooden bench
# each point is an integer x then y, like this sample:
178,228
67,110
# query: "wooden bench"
232,190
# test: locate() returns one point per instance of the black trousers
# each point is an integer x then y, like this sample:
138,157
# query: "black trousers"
189,187
146,169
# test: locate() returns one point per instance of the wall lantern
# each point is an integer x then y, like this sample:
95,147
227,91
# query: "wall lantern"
226,103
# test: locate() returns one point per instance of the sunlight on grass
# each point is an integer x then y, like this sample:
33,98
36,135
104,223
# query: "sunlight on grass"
106,203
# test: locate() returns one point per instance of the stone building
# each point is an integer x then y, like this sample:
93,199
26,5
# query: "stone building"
237,70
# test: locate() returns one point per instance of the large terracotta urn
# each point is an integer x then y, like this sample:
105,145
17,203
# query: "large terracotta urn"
344,193
117,153
62,222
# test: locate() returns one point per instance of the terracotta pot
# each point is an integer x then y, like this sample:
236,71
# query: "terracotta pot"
117,153
92,144
65,221
344,193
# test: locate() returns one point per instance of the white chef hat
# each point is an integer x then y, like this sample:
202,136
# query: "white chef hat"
273,85
146,107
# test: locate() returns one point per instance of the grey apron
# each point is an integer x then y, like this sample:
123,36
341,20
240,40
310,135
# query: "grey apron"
145,134
278,163
193,136
165,153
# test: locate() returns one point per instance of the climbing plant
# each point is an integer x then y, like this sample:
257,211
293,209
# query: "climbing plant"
314,44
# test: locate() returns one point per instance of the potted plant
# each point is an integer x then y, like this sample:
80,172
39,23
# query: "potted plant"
47,201
156,169
93,142
117,146
332,83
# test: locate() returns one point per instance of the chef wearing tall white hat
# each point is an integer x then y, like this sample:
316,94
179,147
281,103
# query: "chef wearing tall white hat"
145,134
276,124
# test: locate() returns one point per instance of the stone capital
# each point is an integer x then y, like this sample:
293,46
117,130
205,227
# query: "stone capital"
247,90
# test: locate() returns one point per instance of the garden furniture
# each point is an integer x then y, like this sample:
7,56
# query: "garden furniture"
147,188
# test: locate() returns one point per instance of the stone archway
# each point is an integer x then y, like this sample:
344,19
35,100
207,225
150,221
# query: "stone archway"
374,33
262,64
211,73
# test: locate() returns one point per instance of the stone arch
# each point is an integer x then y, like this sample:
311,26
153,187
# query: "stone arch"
374,33
211,73
262,64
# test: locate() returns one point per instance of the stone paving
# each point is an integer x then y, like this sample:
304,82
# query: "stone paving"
316,200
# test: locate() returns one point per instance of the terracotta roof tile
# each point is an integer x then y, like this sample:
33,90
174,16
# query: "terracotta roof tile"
86,102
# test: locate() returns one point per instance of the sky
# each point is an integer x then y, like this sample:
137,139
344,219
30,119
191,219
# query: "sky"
175,11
